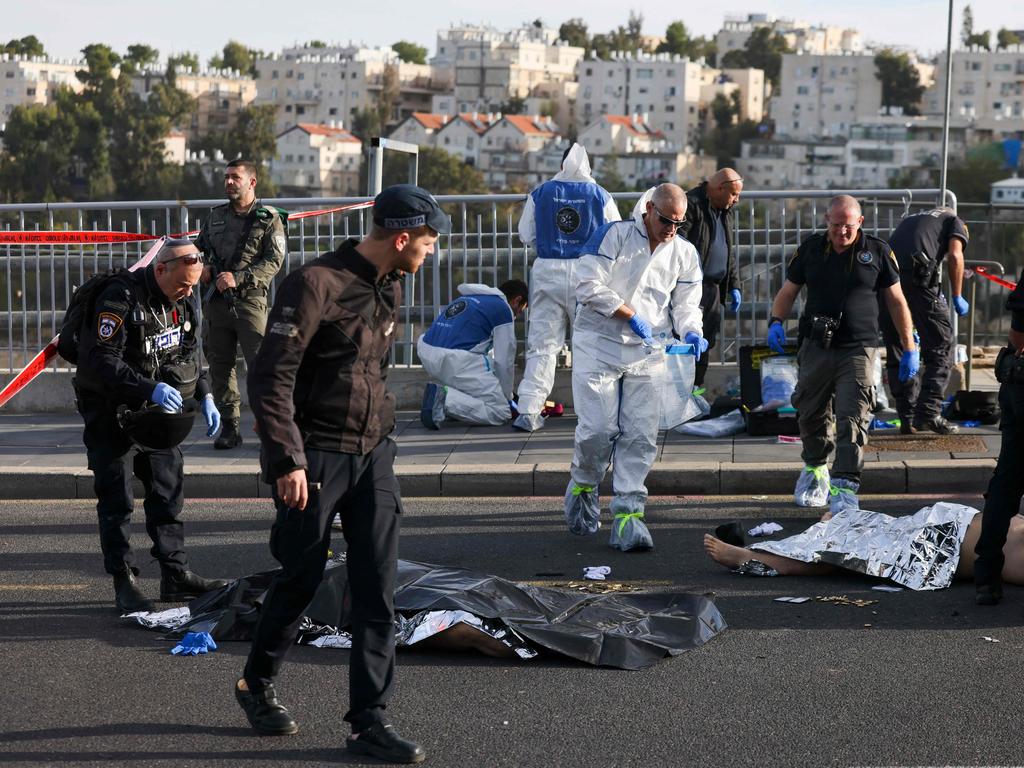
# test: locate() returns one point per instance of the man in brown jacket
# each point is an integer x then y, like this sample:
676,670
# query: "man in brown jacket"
323,412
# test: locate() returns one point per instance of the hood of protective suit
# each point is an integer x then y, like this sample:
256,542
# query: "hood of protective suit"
641,205
477,289
575,167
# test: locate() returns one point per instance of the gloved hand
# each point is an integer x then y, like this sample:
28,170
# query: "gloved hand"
167,397
641,328
736,299
700,344
212,416
909,364
961,306
777,338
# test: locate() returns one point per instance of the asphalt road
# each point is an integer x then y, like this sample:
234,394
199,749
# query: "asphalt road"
909,681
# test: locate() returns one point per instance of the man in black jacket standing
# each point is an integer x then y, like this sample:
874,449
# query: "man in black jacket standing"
709,229
323,413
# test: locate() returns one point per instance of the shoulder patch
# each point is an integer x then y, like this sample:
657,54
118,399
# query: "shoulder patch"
280,242
107,324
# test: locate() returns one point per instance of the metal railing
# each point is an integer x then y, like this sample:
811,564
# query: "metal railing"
36,281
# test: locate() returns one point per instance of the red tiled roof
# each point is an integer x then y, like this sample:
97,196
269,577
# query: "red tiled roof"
429,120
638,128
526,124
318,129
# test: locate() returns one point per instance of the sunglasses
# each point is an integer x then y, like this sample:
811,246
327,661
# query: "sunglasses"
189,260
666,220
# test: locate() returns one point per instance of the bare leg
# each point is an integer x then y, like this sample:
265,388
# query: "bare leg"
731,557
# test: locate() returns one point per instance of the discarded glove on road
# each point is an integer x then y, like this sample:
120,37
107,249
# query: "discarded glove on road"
194,643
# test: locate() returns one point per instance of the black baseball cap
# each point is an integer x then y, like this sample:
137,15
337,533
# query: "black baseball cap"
406,206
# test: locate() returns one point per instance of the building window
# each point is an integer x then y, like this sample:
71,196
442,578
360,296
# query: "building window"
287,107
290,73
802,90
332,111
300,110
589,71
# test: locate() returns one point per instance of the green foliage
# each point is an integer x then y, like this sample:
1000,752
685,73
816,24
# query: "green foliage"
316,44
972,178
25,46
574,32
763,51
724,142
139,56
1005,38
37,164
608,175
724,110
184,60
237,56
901,85
967,25
514,106
253,136
410,52
678,41
622,38
446,174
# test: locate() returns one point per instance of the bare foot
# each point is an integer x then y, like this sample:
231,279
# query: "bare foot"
725,554
826,517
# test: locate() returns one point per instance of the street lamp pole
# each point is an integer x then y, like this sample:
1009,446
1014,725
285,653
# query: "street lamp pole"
945,113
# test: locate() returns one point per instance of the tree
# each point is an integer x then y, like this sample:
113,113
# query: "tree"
967,26
723,110
38,164
316,44
25,46
574,32
515,105
678,41
445,174
139,57
763,51
186,60
1005,38
901,84
981,40
237,56
608,175
253,135
410,52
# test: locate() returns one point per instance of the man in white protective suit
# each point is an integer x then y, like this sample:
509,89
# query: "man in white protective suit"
639,286
559,217
467,384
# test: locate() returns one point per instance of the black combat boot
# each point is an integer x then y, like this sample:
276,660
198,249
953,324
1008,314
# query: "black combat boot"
229,436
266,714
176,585
938,425
127,595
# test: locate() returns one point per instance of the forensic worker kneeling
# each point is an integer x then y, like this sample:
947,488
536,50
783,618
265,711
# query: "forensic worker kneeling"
469,352
639,287
139,346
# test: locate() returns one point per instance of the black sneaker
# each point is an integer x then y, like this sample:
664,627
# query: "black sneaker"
938,425
382,742
229,437
185,585
266,714
988,594
127,595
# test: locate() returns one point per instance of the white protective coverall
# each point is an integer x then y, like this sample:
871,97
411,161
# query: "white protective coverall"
558,218
615,379
478,387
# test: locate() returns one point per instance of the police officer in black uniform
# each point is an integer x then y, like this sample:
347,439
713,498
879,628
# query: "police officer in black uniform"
921,242
139,346
844,269
1005,489
318,390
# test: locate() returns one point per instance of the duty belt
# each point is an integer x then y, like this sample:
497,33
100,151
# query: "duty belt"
1009,367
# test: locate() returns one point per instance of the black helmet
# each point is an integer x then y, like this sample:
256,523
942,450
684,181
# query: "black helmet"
153,428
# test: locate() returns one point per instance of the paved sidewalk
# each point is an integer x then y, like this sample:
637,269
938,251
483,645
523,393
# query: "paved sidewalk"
43,457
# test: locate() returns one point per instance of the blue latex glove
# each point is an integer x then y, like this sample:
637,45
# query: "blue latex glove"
194,643
641,328
777,338
167,397
212,416
736,299
961,306
909,364
700,344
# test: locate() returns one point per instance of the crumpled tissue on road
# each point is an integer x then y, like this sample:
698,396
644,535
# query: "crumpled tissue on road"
624,630
919,551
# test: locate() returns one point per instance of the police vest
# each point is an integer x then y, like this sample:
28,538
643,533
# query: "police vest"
226,255
567,213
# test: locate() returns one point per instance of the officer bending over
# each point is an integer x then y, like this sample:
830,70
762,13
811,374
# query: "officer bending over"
844,270
138,347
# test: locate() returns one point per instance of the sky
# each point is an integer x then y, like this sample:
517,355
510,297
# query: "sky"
204,27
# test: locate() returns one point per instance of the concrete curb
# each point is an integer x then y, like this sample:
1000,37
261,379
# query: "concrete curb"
669,478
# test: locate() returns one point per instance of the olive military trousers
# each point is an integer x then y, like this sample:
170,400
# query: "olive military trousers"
225,332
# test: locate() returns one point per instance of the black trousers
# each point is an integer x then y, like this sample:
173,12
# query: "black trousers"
1005,489
709,305
920,398
364,490
112,463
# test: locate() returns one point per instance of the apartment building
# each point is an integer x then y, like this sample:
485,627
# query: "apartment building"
521,151
318,160
822,96
747,84
420,128
988,89
462,136
317,85
27,80
792,163
219,95
663,86
883,148
799,35
488,67
639,153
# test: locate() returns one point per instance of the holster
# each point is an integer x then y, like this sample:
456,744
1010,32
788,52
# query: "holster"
1009,367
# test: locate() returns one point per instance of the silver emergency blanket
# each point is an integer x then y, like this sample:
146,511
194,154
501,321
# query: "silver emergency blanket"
919,551
624,630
